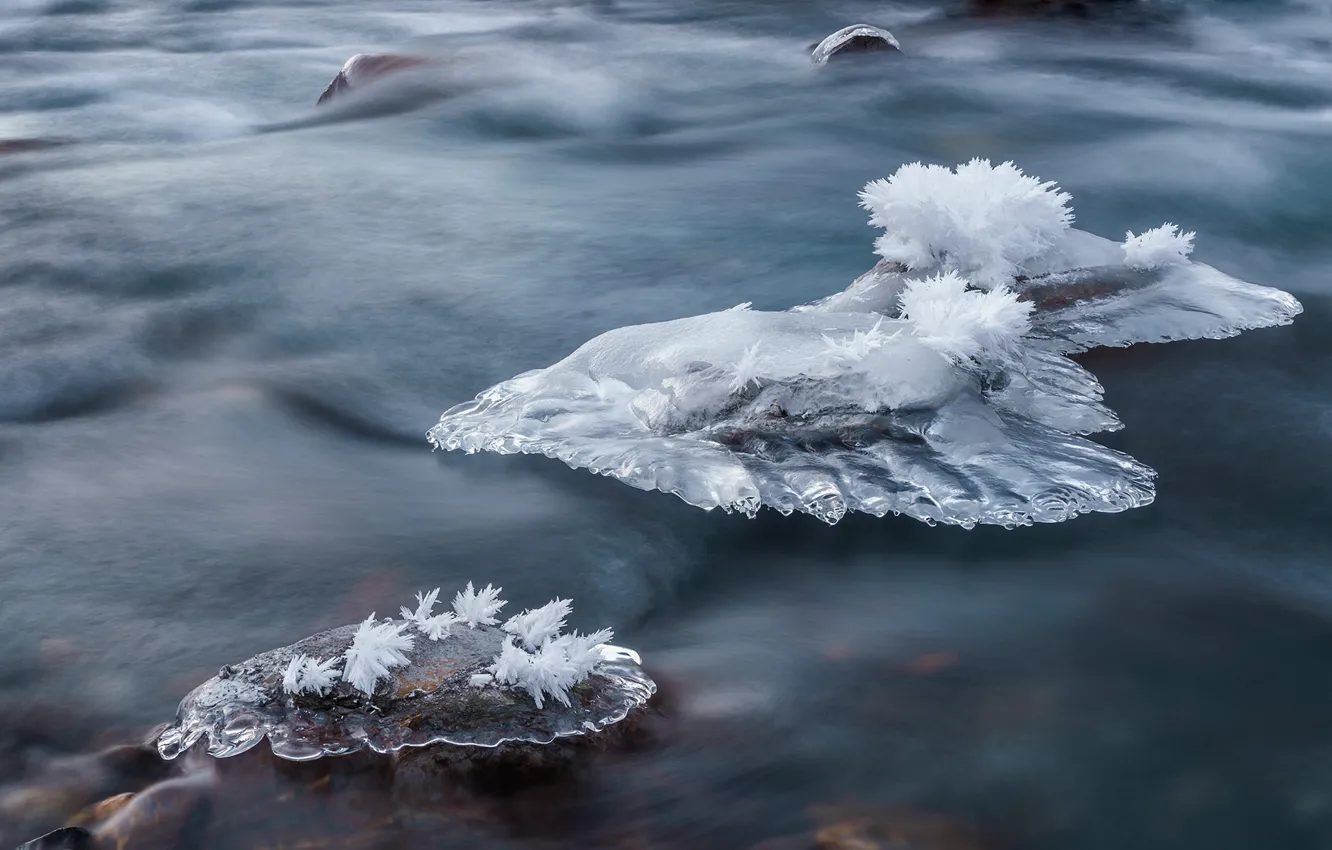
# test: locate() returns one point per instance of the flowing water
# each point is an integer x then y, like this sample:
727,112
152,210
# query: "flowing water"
227,320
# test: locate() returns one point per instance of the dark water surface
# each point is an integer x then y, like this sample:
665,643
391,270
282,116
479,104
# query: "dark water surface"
226,323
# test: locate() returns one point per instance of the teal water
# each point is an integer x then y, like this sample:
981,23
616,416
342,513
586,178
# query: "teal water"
227,322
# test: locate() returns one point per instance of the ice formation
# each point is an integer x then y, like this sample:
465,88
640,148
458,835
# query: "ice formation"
475,686
857,38
535,628
981,221
478,607
1160,246
374,653
936,385
433,626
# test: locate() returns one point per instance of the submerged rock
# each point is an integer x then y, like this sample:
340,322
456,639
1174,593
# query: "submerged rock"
858,827
104,810
26,145
66,838
468,685
857,38
1030,8
170,814
66,789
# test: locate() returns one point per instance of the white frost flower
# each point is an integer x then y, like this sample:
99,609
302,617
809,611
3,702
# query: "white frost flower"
551,663
434,627
1160,246
547,673
581,650
979,220
747,369
536,627
306,675
478,607
859,345
374,652
962,323
742,307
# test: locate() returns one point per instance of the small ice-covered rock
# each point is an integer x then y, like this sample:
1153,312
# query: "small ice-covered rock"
934,386
472,687
365,68
857,38
995,224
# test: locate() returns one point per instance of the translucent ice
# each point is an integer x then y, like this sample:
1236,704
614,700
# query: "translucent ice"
935,386
857,38
471,686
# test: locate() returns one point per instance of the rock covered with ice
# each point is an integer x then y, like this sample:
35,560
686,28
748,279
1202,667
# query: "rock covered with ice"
459,677
365,68
934,386
857,38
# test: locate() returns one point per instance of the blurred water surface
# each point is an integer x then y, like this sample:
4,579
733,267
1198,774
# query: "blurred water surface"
226,321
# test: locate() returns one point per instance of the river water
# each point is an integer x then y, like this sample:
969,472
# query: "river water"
227,321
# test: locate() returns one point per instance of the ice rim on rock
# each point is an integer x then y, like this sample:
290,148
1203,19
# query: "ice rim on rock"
475,686
935,386
863,34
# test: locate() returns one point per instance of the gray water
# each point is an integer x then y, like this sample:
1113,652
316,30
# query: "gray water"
226,322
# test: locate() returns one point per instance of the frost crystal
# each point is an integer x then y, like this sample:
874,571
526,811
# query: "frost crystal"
436,627
552,663
859,344
581,650
534,628
374,651
746,369
1158,247
305,675
478,607
982,221
546,673
963,323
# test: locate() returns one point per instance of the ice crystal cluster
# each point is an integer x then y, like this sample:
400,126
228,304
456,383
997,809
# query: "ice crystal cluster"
419,680
936,385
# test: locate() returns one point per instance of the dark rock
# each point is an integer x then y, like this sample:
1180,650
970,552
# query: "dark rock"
26,145
364,68
1038,8
68,838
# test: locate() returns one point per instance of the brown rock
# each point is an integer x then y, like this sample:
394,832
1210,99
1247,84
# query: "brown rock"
895,828
98,812
932,663
887,828
171,814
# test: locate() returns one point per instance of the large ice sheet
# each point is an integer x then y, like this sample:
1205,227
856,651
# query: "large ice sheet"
934,386
677,407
